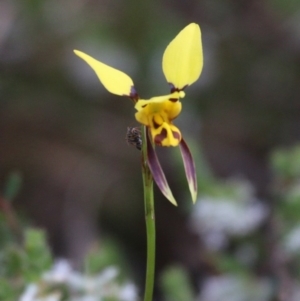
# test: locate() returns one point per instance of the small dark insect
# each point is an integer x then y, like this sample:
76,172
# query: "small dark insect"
133,137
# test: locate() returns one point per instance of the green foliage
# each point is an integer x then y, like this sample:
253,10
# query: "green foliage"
30,263
23,263
104,255
286,163
5,232
286,167
24,253
285,7
12,186
37,257
231,265
27,266
176,284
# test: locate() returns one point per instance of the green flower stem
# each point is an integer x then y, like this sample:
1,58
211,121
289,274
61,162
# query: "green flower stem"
150,219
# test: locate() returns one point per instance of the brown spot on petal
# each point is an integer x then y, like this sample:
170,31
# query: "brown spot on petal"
176,135
159,138
133,94
163,135
173,99
173,89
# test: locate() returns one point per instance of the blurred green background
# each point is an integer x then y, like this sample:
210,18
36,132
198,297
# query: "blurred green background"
64,134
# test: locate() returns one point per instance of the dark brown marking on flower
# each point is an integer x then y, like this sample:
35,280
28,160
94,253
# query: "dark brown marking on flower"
159,138
173,99
176,135
133,94
163,135
174,89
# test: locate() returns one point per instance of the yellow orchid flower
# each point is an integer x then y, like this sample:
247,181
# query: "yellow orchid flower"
182,64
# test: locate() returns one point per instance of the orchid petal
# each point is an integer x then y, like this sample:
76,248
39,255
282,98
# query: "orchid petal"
190,169
166,135
183,58
157,173
115,81
159,99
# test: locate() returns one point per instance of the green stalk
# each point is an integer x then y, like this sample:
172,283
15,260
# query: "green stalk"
150,220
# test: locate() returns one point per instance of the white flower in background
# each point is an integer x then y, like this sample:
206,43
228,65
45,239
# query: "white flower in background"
32,294
292,241
128,292
60,272
218,218
235,288
78,286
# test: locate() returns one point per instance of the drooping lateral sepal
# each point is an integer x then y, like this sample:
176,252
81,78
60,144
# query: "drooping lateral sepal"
190,169
157,172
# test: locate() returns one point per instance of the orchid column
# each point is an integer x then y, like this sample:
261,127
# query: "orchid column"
182,64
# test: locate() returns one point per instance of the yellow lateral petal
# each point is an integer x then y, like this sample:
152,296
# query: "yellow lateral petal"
183,57
115,81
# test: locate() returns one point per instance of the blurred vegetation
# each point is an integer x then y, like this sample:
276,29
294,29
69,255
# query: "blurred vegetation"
29,272
238,263
65,167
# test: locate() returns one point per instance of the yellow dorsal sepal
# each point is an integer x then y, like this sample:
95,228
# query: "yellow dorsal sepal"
183,58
